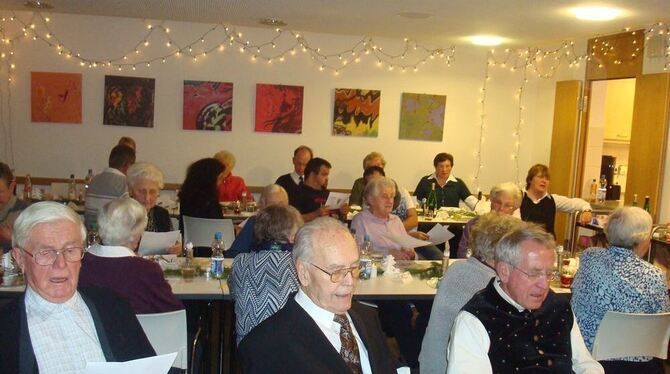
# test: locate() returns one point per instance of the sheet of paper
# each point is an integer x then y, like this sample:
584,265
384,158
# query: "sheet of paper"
337,199
156,364
439,234
406,241
154,243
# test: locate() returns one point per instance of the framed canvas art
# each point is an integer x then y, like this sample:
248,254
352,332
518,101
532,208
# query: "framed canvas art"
356,112
55,97
422,116
129,101
208,106
279,108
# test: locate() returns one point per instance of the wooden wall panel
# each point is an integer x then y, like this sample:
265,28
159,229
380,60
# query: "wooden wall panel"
621,47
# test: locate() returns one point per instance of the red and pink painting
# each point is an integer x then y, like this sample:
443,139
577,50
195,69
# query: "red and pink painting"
279,108
208,106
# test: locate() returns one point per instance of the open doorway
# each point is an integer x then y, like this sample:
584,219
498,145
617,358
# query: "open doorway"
608,137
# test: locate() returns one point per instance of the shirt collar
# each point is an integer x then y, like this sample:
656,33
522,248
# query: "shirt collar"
533,200
110,251
319,314
370,216
505,296
451,178
38,307
295,177
113,171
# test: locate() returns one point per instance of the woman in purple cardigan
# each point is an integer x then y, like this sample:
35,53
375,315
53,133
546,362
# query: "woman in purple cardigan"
114,264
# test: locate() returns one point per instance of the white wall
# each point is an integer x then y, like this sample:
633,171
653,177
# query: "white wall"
56,150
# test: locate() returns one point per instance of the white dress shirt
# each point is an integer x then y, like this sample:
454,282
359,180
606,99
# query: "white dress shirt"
331,329
63,335
469,345
295,177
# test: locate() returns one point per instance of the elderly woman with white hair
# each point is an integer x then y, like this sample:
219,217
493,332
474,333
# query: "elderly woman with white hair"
505,199
461,281
114,264
618,279
376,222
232,187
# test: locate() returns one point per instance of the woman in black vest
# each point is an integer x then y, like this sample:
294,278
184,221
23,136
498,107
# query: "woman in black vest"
539,206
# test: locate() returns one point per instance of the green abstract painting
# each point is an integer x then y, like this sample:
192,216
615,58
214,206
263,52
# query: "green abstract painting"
422,116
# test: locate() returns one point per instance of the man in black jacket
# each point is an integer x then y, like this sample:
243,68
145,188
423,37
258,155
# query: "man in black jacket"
54,327
320,329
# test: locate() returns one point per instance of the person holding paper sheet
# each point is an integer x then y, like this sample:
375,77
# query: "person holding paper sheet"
377,222
58,325
145,182
114,265
313,193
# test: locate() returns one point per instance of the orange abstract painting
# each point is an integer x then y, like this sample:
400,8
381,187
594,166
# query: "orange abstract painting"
55,97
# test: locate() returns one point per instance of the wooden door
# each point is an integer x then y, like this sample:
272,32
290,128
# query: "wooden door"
564,145
648,139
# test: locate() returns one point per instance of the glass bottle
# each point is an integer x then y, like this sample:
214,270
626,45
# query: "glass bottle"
432,202
92,238
593,194
72,189
27,188
634,200
646,204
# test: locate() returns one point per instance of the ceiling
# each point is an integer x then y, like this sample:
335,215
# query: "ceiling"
521,22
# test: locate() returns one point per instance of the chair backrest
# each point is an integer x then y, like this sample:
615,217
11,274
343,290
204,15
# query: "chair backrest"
167,333
632,334
261,283
200,231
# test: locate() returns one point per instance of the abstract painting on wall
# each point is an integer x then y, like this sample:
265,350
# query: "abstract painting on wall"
55,97
129,101
422,116
208,106
356,112
279,108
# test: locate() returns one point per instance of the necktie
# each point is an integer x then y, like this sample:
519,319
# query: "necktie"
349,349
301,180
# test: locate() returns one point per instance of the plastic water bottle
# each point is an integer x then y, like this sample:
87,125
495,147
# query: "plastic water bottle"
217,255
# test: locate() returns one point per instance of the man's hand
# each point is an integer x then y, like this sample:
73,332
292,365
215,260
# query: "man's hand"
419,235
403,254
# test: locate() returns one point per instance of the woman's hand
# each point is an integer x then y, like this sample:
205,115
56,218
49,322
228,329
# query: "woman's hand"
175,249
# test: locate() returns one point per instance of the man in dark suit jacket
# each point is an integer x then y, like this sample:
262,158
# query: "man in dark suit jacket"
54,327
292,180
320,329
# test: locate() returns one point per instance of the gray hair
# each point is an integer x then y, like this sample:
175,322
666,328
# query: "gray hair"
277,223
508,249
371,156
373,188
43,212
507,188
270,191
226,158
145,171
487,232
315,234
628,226
121,221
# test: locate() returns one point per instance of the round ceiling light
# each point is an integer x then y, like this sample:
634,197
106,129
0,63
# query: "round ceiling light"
487,40
596,13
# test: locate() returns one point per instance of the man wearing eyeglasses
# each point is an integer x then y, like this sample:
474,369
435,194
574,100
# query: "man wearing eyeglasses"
516,323
320,330
53,327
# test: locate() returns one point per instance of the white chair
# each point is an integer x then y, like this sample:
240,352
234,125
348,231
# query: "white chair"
200,231
632,334
167,333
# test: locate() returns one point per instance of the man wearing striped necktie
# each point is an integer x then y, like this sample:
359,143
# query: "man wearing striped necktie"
320,329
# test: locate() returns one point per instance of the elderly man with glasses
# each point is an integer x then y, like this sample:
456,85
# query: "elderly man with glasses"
54,327
320,330
516,323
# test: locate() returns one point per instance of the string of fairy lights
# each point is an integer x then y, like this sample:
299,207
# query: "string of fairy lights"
282,44
219,37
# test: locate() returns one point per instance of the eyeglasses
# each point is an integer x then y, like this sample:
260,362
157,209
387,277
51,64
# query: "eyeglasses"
46,257
337,275
536,275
